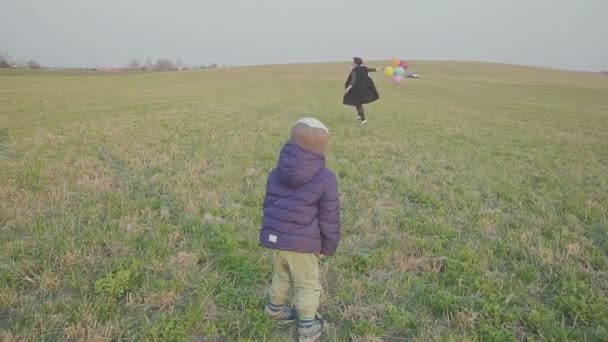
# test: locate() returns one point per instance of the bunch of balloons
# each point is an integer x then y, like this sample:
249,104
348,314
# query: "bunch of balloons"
397,70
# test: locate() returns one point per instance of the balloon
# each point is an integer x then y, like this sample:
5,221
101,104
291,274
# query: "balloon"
389,71
404,65
400,71
397,79
395,62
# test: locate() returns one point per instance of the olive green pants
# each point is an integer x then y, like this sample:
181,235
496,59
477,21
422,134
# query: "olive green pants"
300,272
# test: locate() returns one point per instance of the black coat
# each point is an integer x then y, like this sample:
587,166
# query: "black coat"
363,88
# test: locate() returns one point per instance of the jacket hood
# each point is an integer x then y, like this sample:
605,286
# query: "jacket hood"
298,165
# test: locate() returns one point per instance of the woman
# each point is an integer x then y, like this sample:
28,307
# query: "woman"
360,88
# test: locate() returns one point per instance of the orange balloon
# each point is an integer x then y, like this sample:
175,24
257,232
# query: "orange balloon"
395,62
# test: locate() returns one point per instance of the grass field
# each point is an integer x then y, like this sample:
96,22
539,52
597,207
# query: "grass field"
474,204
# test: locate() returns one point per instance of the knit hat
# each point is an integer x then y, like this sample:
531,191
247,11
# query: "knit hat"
311,134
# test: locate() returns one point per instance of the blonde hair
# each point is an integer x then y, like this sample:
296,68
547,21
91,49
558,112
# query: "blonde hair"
310,133
313,122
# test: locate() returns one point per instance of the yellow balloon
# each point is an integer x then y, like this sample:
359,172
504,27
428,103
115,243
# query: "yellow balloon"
389,71
395,62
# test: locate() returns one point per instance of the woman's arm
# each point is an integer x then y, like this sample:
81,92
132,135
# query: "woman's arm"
353,79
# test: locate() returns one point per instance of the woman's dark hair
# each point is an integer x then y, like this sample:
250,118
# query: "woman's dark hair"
357,60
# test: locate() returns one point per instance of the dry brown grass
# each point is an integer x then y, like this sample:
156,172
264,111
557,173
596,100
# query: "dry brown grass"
164,301
91,330
185,260
412,263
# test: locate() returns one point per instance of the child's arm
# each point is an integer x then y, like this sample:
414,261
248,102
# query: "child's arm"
329,218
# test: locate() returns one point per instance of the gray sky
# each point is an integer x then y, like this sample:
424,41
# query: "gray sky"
571,34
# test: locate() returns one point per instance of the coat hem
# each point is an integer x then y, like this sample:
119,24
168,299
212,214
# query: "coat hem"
289,249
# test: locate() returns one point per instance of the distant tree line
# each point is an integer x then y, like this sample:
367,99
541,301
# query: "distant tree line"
6,62
164,64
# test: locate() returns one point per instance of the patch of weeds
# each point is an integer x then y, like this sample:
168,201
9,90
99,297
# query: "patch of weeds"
165,283
346,294
236,298
165,329
577,309
117,283
259,324
366,328
599,334
30,177
597,234
436,230
575,299
496,313
239,268
221,238
8,278
192,316
597,259
539,319
399,321
105,309
463,283
491,333
463,262
364,262
419,198
443,302
526,273
210,329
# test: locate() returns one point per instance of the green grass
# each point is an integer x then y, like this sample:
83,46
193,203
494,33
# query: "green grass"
474,204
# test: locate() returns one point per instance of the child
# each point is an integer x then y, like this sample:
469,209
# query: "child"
301,225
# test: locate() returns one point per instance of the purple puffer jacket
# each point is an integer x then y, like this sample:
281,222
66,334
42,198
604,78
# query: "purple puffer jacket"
301,207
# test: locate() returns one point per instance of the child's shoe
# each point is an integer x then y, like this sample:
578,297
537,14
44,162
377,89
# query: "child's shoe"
281,313
310,332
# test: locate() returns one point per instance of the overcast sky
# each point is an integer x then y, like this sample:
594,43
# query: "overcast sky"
571,34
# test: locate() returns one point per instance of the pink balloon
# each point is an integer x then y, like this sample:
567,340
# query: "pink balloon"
404,65
397,79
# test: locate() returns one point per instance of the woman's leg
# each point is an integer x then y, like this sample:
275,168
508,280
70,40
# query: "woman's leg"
358,111
361,112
